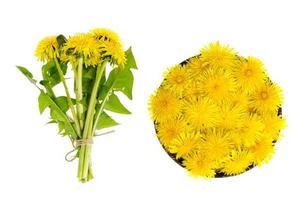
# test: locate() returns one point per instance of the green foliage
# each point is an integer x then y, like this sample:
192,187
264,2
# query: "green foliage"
61,39
58,106
118,80
103,91
56,112
88,78
50,73
61,127
114,104
89,73
130,62
62,103
105,121
48,88
121,79
27,74
43,102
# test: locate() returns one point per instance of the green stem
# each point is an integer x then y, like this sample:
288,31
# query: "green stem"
101,108
49,91
84,155
77,126
93,124
90,174
87,159
79,94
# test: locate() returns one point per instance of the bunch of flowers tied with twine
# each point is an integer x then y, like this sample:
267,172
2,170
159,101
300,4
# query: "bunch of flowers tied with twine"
218,113
88,55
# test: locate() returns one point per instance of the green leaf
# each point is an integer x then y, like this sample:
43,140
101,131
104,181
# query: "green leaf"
87,85
103,90
50,73
89,72
130,60
114,104
62,103
61,126
61,39
43,102
56,113
103,79
48,88
27,73
122,81
112,76
69,130
85,102
105,121
51,122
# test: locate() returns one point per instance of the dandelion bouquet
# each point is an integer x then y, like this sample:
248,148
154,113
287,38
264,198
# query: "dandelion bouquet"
218,113
88,55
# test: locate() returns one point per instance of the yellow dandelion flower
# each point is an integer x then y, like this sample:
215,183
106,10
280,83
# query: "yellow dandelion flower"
169,130
111,45
216,144
267,98
251,132
250,75
195,66
217,84
215,55
238,63
239,99
201,113
114,51
105,34
262,151
198,166
82,45
164,106
185,144
193,90
46,48
238,162
176,79
231,115
273,124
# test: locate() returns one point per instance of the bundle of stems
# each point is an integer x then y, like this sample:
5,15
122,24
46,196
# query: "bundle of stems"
89,55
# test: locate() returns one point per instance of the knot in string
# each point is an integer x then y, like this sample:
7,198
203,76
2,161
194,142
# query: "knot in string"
76,144
80,142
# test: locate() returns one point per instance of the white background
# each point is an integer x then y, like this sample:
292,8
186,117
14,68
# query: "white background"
130,163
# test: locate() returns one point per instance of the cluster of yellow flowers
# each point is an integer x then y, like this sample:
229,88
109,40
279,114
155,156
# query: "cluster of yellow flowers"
96,45
95,50
218,112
